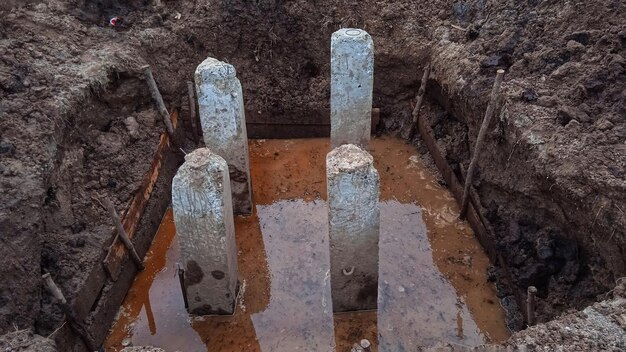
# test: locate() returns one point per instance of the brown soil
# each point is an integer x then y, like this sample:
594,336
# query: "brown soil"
552,180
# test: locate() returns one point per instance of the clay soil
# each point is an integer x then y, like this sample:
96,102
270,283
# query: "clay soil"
76,120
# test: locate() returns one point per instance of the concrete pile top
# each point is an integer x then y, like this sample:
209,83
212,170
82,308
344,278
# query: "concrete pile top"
211,70
347,157
200,159
351,35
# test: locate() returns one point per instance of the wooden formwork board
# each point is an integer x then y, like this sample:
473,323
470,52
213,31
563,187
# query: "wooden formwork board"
117,251
457,189
482,229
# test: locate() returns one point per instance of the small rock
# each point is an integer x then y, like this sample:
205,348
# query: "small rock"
6,148
529,95
573,125
492,61
575,47
581,37
132,126
620,131
603,124
109,144
568,113
546,101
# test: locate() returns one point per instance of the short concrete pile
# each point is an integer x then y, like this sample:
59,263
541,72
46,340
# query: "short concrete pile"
205,228
351,87
354,227
220,104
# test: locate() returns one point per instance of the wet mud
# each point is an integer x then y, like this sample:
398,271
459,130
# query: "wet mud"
432,285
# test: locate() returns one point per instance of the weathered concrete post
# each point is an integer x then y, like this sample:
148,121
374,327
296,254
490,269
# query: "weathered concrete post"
351,86
354,226
220,104
205,228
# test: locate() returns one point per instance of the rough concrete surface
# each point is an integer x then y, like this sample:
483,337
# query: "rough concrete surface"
222,115
354,228
351,87
205,229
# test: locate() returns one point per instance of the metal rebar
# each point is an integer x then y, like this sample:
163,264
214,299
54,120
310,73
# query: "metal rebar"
495,90
158,99
121,232
530,305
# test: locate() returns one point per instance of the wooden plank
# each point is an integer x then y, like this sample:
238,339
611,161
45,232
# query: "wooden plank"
117,251
456,188
296,129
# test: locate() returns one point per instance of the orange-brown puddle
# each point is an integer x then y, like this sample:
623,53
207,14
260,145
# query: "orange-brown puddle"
432,284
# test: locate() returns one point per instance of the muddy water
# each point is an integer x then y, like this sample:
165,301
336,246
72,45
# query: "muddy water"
432,284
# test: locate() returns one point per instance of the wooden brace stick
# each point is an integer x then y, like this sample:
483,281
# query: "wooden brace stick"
481,138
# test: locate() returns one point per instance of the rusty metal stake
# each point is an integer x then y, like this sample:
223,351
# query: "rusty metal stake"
181,279
420,98
530,305
495,90
75,324
192,110
158,99
52,287
121,233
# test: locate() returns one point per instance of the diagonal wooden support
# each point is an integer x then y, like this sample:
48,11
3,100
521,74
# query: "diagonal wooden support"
418,104
495,93
158,99
130,219
121,232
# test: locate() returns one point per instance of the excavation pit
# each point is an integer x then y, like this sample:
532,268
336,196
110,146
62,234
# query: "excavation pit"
78,122
433,285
